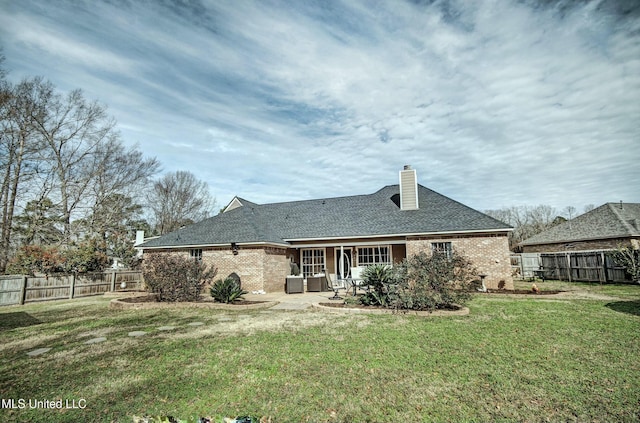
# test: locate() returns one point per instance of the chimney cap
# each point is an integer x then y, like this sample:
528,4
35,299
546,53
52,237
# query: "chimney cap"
407,167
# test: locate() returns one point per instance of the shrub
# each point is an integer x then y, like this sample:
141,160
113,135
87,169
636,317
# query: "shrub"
227,290
32,259
88,256
430,282
381,281
176,278
628,258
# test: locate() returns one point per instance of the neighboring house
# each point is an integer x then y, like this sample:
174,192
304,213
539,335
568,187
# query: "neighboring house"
576,250
259,241
603,228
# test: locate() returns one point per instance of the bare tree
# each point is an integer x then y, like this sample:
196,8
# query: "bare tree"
178,199
570,212
75,133
20,108
121,175
59,153
527,221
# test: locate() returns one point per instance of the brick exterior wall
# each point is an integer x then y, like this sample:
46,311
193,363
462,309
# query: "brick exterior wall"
259,268
266,268
489,254
596,244
276,269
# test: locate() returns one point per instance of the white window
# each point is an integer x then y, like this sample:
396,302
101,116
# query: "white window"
196,254
312,261
443,248
374,255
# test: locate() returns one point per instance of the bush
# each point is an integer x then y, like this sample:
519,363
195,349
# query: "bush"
430,282
628,258
382,282
227,291
176,278
32,259
88,256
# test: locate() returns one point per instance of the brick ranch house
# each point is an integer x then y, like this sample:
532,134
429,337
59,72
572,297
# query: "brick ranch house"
259,241
578,250
603,228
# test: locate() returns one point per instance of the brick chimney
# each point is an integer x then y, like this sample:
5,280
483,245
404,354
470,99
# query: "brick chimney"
408,189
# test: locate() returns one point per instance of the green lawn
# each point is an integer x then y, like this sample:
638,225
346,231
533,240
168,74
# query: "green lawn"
512,359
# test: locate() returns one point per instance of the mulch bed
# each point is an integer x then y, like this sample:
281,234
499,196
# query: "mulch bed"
519,292
365,307
153,299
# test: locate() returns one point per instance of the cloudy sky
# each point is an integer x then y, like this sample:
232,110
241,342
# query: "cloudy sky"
495,103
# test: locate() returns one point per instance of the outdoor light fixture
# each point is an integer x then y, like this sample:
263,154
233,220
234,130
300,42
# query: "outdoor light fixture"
234,248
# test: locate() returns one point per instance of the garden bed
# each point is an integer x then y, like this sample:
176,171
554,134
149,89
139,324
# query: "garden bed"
519,292
125,293
150,301
339,307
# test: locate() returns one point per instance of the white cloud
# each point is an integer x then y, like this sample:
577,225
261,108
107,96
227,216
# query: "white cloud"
495,103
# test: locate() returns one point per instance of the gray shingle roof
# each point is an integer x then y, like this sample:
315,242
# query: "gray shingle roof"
354,216
611,220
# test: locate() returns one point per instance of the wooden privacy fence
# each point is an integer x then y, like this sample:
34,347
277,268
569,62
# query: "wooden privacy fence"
524,265
584,266
21,289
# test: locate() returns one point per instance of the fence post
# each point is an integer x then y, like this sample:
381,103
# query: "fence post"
569,268
113,281
72,287
603,275
23,290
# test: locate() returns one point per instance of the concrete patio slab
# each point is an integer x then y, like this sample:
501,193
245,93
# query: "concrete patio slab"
291,301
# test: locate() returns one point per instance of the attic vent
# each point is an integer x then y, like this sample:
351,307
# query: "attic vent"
396,199
234,204
408,189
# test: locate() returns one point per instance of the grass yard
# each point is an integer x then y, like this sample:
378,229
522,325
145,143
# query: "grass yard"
512,359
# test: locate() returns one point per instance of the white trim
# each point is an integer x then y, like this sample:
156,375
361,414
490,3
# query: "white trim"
388,246
233,204
473,231
603,250
569,241
226,244
349,244
324,260
329,240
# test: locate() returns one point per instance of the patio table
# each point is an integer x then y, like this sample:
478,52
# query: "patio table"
355,283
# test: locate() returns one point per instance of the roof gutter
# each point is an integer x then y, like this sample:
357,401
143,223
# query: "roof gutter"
226,244
475,231
568,241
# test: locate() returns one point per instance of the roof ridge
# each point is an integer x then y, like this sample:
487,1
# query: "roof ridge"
317,199
631,230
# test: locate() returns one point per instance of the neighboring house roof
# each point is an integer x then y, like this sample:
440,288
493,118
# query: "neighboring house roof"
372,215
611,220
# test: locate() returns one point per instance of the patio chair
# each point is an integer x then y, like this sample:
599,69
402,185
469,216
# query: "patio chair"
335,285
356,279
